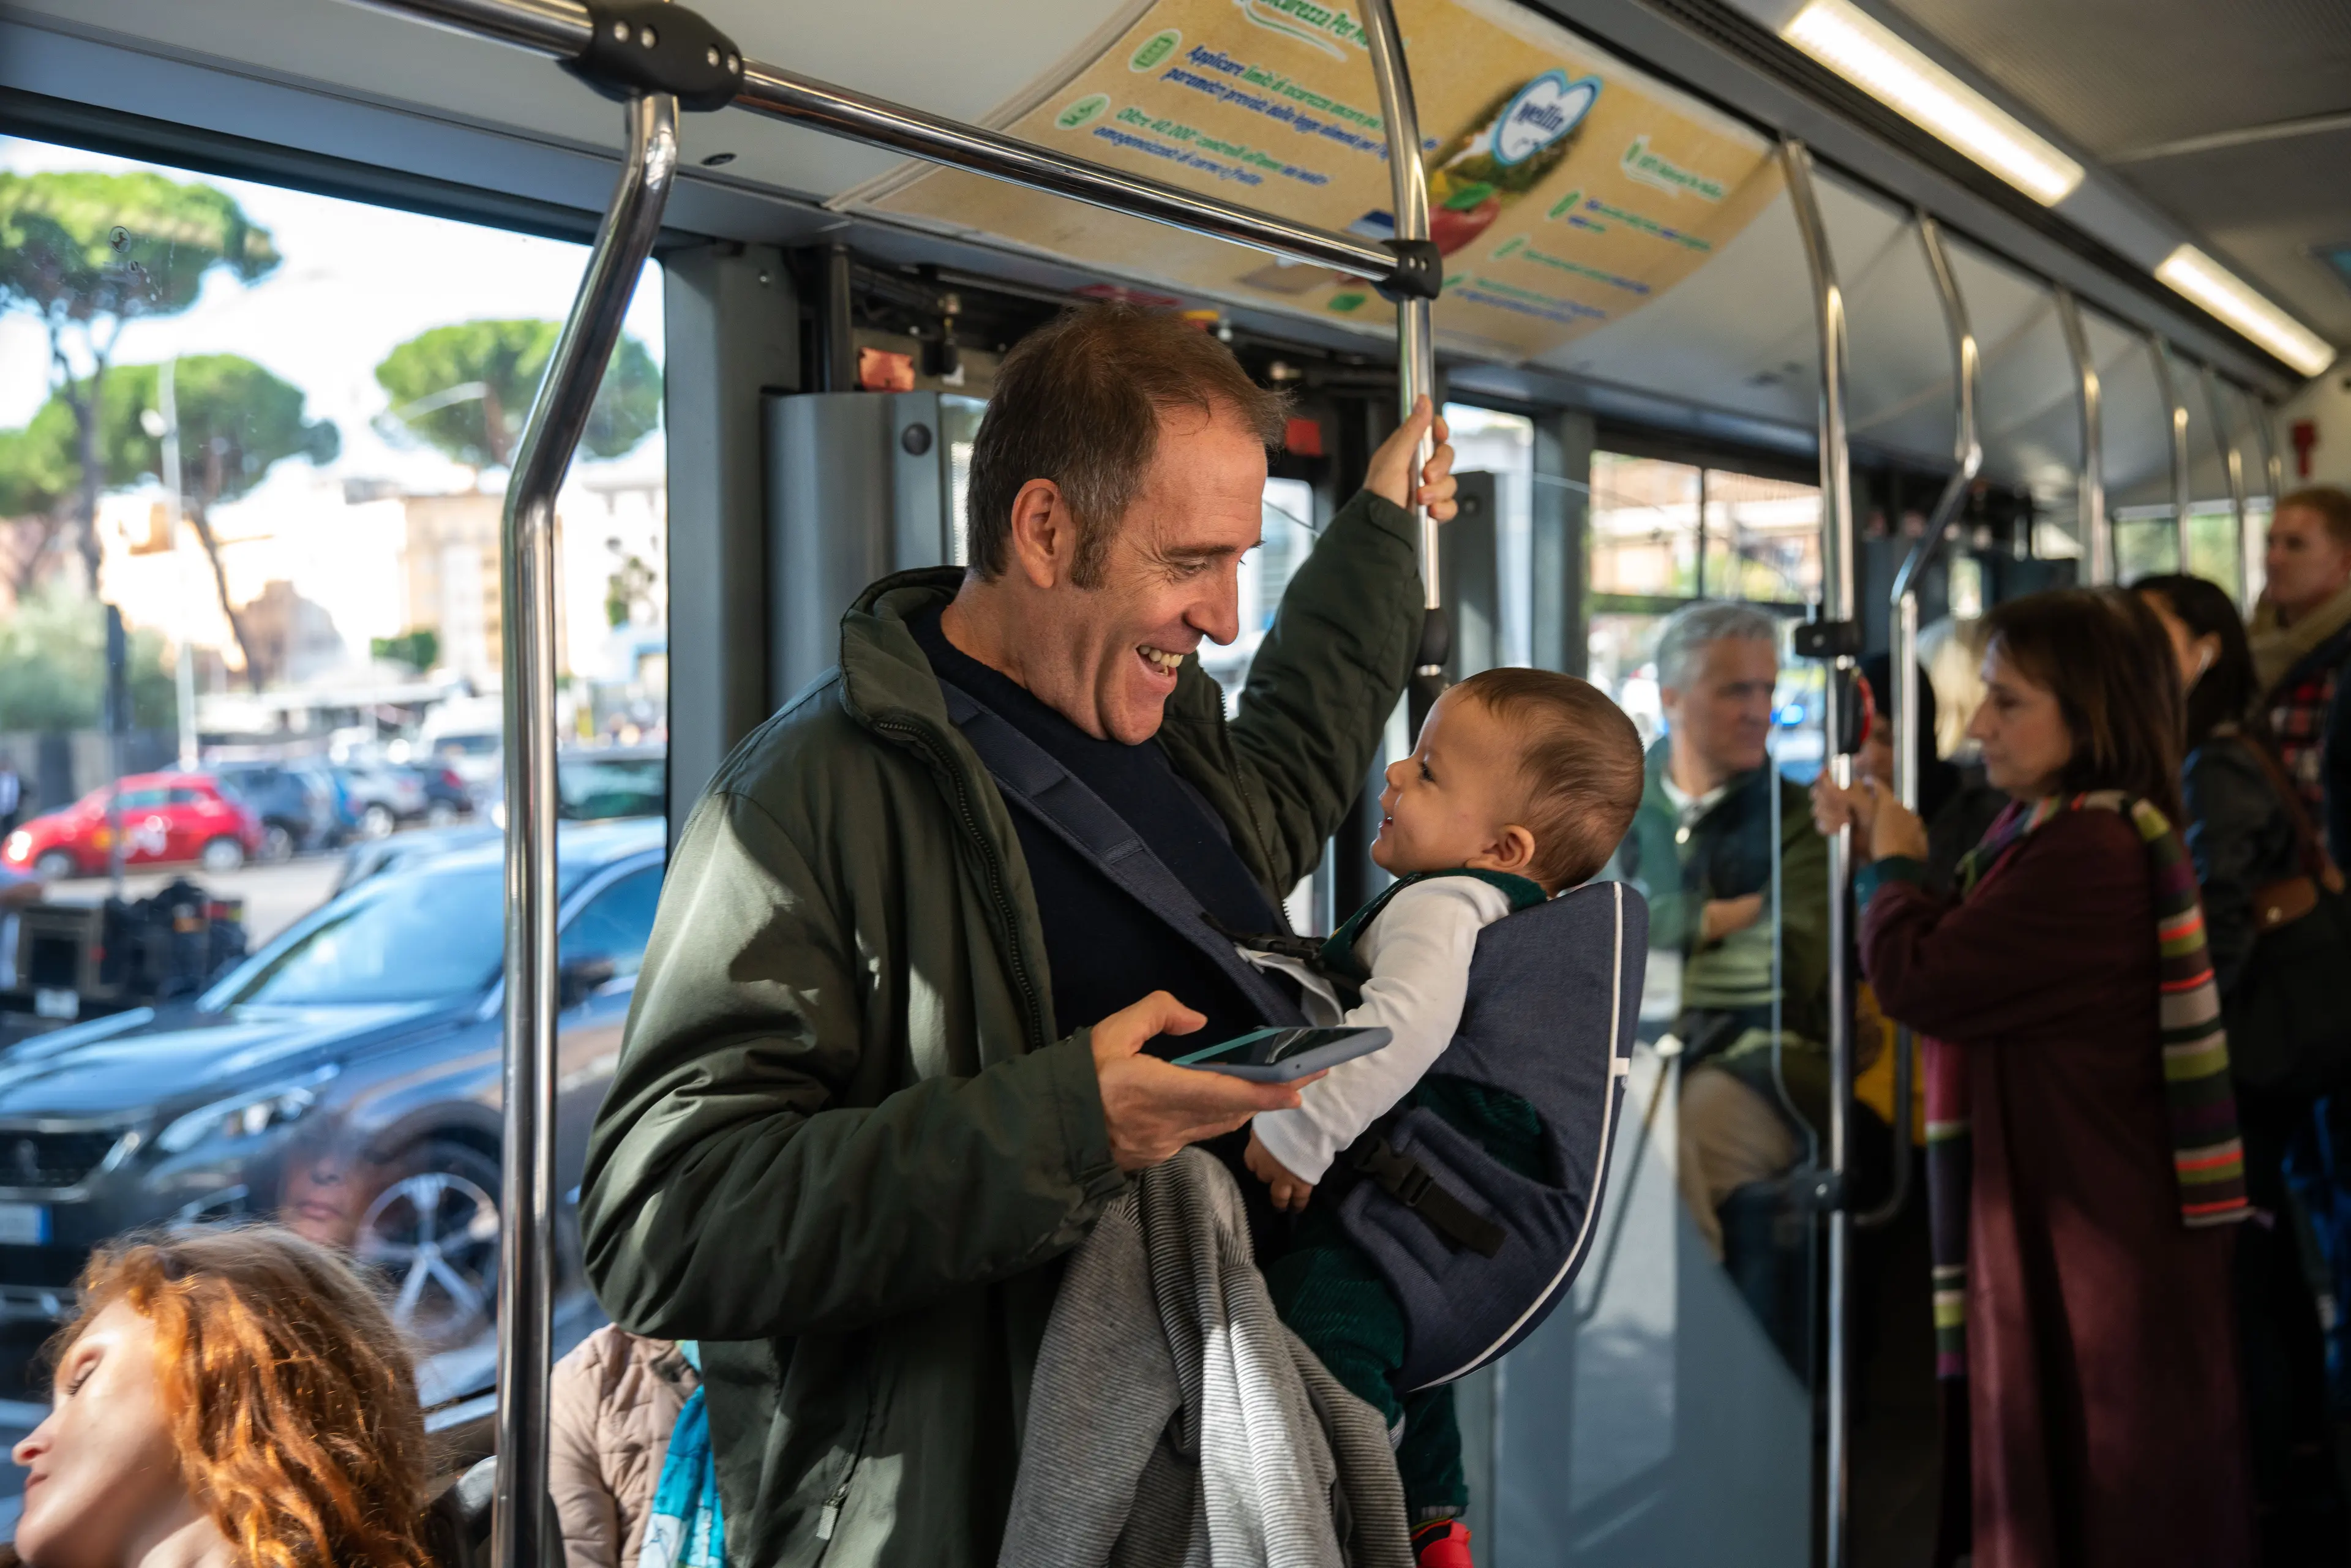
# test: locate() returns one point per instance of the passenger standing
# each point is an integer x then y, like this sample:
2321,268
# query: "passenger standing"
885,1063
2085,1166
2242,832
2301,641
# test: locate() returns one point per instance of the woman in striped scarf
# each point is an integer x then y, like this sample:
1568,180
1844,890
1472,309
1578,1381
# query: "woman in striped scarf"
2082,1161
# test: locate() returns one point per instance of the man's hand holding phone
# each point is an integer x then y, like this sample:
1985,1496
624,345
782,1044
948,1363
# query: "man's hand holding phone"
1153,1108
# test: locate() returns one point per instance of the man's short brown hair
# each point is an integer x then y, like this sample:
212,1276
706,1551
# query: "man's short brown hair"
1079,402
1581,758
2331,505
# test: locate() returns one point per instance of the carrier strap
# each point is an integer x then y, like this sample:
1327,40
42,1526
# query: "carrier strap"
1030,778
1408,1181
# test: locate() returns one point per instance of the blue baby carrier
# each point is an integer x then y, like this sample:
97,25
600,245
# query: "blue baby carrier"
1477,1253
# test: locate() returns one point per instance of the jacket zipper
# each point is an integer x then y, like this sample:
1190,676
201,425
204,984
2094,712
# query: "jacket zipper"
832,1506
1022,981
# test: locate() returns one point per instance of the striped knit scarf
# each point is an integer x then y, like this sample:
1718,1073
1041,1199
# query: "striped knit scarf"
2207,1159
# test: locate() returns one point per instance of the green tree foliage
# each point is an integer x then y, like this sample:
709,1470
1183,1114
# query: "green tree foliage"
466,388
87,252
236,421
419,648
53,668
38,475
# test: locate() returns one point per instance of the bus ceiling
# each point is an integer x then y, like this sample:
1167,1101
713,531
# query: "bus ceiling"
1651,332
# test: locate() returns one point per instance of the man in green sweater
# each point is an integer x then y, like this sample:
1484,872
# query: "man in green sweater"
893,1048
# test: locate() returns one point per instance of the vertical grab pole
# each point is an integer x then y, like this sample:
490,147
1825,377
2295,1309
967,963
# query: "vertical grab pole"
1966,462
2175,403
1837,614
1416,341
2232,459
558,416
2272,464
2090,490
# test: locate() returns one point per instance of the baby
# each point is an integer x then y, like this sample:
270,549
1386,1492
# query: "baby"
1529,779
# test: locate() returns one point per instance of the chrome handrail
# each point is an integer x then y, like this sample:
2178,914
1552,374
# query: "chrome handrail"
2090,486
2232,461
559,417
561,28
1416,342
2175,405
1966,462
1836,610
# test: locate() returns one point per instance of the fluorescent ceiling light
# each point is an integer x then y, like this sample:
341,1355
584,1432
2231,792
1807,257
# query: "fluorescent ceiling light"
2217,290
1863,51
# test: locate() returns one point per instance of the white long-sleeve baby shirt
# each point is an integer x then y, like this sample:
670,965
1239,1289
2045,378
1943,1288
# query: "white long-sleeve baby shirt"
1418,951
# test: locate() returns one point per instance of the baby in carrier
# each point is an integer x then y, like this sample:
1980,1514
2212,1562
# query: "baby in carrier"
1522,784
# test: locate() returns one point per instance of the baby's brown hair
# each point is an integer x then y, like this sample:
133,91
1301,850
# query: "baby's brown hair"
1581,758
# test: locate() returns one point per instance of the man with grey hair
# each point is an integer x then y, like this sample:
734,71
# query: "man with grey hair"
1703,848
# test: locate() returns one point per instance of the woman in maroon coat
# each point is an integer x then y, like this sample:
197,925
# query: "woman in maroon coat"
2098,1346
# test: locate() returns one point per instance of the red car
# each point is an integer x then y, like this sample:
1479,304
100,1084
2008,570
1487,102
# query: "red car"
165,817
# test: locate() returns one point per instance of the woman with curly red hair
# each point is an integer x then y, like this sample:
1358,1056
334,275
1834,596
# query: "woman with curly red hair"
226,1399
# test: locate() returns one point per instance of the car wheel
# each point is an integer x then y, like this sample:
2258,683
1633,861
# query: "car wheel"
221,854
277,842
377,822
440,814
432,1238
54,864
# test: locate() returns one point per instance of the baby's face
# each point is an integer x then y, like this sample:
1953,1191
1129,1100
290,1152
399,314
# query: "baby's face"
1452,801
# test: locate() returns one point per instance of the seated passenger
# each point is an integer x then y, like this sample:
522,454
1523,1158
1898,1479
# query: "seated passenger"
225,1399
1714,821
2086,1172
1522,783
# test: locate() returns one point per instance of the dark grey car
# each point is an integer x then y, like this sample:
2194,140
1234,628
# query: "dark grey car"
345,1078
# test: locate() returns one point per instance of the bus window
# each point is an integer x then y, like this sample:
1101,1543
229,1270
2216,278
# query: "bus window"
305,410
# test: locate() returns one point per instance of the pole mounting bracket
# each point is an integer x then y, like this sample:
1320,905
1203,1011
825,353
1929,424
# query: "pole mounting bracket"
650,46
1419,270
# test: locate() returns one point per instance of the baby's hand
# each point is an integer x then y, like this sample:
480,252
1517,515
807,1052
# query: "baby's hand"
1289,1192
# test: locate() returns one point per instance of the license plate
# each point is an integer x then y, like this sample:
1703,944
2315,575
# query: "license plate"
24,1224
50,1002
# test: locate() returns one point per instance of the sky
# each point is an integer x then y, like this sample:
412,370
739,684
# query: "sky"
355,281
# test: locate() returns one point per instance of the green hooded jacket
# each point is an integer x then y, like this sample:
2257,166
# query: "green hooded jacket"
847,1140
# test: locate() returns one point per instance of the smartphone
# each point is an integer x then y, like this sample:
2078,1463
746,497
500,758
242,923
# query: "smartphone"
1279,1055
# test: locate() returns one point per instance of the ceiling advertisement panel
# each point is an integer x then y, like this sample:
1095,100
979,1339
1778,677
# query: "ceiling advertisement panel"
1567,190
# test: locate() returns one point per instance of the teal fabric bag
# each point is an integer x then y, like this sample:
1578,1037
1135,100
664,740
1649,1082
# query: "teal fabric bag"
685,1530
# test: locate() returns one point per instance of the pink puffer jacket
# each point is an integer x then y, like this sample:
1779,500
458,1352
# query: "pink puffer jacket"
611,1406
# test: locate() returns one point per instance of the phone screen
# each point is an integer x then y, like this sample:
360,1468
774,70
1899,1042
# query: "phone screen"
1266,1046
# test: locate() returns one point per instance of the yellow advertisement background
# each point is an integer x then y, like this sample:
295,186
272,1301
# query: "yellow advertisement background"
1650,188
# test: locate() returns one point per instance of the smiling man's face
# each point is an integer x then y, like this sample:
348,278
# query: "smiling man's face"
1105,655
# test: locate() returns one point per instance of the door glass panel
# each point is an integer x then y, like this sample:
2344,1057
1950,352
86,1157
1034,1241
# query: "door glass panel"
1687,1352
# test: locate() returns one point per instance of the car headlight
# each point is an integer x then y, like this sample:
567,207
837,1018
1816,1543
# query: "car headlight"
246,1116
19,845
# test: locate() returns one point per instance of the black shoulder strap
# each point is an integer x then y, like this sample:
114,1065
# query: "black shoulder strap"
1410,1183
1032,780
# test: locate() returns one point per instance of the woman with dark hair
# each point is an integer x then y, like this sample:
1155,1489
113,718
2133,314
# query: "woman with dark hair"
2083,1164
2243,834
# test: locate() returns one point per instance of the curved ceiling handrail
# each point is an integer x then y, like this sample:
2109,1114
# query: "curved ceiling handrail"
2090,485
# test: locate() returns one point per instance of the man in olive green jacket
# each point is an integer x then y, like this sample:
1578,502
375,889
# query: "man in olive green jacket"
848,1138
